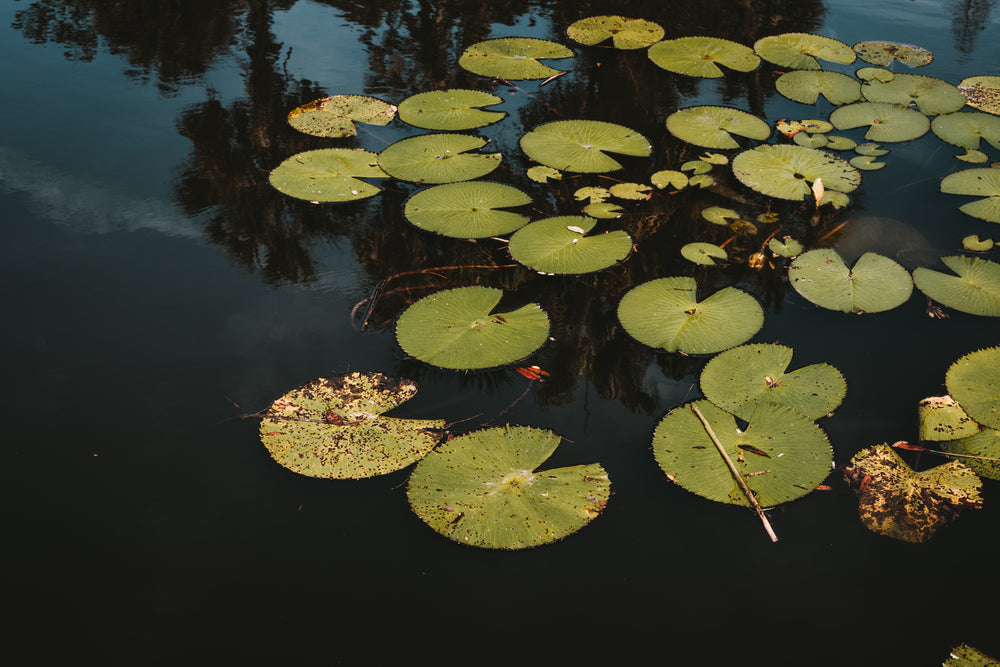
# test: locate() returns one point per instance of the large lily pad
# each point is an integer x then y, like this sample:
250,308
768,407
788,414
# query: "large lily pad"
334,427
789,172
806,86
328,175
438,158
895,501
513,58
701,56
985,445
798,50
666,313
975,290
582,145
982,92
713,127
883,53
624,33
335,116
874,284
458,328
483,489
932,96
974,381
781,455
889,122
467,210
740,379
454,109
941,418
561,245
981,182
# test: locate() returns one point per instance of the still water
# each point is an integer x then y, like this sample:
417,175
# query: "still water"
154,287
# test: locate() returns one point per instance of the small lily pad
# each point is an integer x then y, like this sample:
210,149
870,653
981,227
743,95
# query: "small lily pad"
788,172
975,290
328,175
942,418
603,210
635,191
335,116
866,163
703,253
883,53
786,247
542,174
713,127
982,92
514,58
872,149
966,129
701,181
678,180
985,444
806,86
810,140
932,96
972,156
874,284
582,145
875,74
624,33
836,142
438,158
974,381
798,50
467,210
594,195
701,56
561,245
450,110
697,167
973,243
983,182
889,122
719,215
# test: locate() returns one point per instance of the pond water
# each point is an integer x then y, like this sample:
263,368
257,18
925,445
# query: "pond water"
156,287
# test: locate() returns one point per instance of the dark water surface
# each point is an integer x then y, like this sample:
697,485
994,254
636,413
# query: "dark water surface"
152,279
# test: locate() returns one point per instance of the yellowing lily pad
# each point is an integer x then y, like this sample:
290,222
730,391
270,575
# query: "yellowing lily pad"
335,116
624,33
701,56
677,180
798,50
973,243
982,92
883,53
514,58
942,418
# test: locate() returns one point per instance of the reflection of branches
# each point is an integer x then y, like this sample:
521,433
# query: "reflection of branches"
969,17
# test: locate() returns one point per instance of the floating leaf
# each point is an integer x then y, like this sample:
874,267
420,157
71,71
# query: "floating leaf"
701,56
678,180
740,379
986,445
975,157
595,195
714,158
787,247
484,489
874,284
457,328
743,227
875,74
560,245
665,313
788,172
883,53
974,381
932,96
630,191
895,501
603,210
702,253
438,158
798,50
874,150
982,92
781,455
625,33
701,181
810,140
768,218
334,427
889,122
335,116
866,163
806,86
581,145
972,243
328,175
713,127
966,129
514,58
835,199
966,656
697,167
975,290
719,215
467,210
983,182
942,418
838,143
540,174
451,110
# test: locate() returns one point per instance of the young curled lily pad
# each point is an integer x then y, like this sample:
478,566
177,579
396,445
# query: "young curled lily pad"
703,253
514,58
975,290
806,86
624,33
982,92
561,245
335,116
334,427
438,158
942,418
484,489
932,96
789,172
701,56
798,50
467,210
883,53
582,145
328,175
713,127
974,381
982,182
450,110
874,284
889,122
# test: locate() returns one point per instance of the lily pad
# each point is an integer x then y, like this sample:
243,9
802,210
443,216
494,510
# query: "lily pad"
713,127
450,110
788,172
810,140
468,210
603,210
514,58
932,96
883,53
942,418
624,33
334,427
697,167
798,50
335,116
895,501
665,313
985,444
982,92
838,143
874,284
966,656
875,74
561,245
982,182
889,122
786,247
678,180
740,379
438,158
871,149
701,56
975,290
703,253
484,489
781,455
582,145
635,191
974,381
866,163
973,243
973,156
719,215
806,86
458,328
328,175
542,174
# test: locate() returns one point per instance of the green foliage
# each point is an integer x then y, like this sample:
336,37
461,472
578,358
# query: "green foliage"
467,210
582,145
713,127
624,33
335,116
328,175
974,381
561,245
974,290
701,56
788,172
983,182
513,58
874,284
798,50
450,110
438,158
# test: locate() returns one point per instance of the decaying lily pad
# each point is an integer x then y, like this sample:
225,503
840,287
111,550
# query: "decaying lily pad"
974,381
984,445
982,182
966,656
334,427
335,116
484,489
450,110
895,501
634,191
967,129
438,158
932,96
542,174
582,145
799,50
458,328
942,418
889,122
789,172
806,86
883,53
514,58
561,245
701,56
975,290
467,210
328,175
982,92
703,253
624,33
874,284
713,127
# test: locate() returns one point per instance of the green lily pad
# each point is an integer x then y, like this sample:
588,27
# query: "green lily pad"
582,145
561,245
438,158
786,247
973,156
788,172
713,127
697,167
701,181
514,58
874,284
701,56
719,215
973,243
335,116
942,418
983,182
975,290
634,191
334,427
458,328
328,175
665,313
467,210
484,489
624,33
984,444
895,501
982,92
703,253
781,455
871,149
806,86
603,210
974,381
740,379
542,174
875,74
932,96
450,110
883,53
678,180
593,194
798,50
838,143
889,122
810,140
966,129
966,656
866,163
